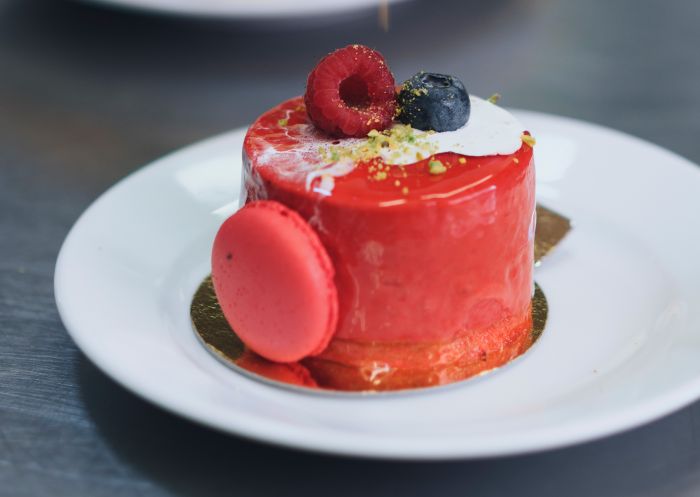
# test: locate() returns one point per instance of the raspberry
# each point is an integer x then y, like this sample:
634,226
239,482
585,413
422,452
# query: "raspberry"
351,92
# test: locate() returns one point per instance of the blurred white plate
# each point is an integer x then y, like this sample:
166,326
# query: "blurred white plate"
247,8
621,348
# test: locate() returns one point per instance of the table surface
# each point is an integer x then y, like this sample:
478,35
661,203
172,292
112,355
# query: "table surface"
89,94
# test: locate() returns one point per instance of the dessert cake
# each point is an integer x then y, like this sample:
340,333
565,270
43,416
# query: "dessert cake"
386,240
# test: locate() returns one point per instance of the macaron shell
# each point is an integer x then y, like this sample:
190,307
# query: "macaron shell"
274,282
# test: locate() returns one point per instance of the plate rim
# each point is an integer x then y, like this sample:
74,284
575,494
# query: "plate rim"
594,427
246,12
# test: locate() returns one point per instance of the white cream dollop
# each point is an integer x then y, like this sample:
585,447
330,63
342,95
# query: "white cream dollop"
491,130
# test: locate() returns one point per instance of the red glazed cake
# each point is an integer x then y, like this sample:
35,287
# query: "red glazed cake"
430,234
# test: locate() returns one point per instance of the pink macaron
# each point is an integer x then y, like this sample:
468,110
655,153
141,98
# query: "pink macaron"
274,282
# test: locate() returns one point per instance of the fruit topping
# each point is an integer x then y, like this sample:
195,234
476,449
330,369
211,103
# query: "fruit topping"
351,92
430,101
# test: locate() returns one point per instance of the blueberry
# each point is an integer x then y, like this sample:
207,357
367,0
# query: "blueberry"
430,101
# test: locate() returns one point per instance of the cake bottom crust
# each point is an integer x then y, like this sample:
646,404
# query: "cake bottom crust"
354,366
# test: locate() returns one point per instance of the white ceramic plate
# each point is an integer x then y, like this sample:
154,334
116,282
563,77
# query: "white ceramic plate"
259,9
621,348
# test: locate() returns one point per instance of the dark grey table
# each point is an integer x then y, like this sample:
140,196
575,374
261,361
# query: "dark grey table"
88,95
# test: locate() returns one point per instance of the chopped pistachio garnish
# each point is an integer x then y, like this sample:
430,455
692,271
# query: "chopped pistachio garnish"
494,98
404,190
528,139
462,160
391,144
436,167
283,122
